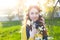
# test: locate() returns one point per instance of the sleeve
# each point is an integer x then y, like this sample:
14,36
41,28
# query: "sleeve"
31,38
23,33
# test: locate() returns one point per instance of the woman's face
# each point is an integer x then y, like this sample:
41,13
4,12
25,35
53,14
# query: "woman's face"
34,14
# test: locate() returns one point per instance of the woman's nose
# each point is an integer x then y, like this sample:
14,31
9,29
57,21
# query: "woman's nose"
34,15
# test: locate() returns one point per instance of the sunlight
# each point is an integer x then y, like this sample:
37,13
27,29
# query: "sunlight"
34,2
30,2
39,3
8,4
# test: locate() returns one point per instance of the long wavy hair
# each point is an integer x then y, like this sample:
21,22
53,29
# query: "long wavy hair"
26,17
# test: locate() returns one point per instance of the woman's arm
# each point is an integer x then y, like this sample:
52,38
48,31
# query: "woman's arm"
23,34
31,38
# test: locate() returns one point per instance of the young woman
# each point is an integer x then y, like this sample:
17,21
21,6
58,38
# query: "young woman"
34,26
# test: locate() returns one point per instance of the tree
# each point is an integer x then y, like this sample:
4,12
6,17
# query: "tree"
49,8
10,15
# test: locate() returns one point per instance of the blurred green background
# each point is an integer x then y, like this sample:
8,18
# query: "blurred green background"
13,11
10,30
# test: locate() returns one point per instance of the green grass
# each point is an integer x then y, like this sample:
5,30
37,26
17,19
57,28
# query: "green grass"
10,30
54,28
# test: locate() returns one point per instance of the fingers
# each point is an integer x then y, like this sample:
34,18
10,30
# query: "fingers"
33,32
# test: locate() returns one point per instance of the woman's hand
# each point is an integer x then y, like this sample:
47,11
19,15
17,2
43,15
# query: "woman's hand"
33,32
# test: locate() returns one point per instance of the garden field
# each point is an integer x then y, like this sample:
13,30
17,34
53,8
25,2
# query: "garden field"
10,30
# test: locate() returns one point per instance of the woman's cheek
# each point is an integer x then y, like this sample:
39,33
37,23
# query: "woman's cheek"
31,17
